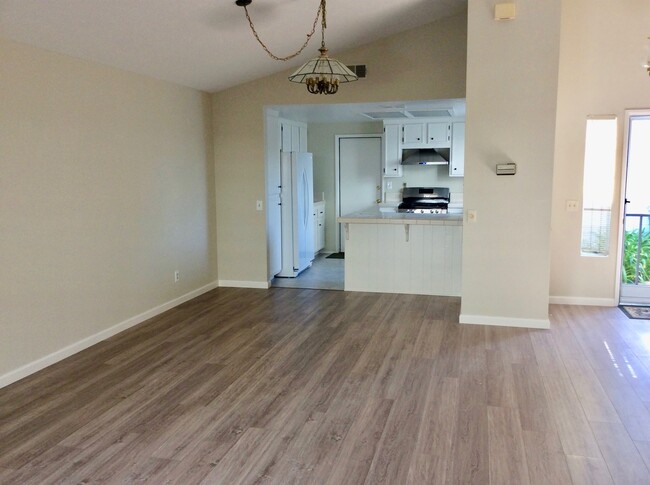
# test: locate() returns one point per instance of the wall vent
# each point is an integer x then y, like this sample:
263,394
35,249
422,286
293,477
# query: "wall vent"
358,69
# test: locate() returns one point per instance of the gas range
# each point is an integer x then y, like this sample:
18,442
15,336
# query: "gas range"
424,200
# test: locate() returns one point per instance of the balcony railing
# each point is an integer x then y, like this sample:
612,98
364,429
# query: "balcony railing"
636,254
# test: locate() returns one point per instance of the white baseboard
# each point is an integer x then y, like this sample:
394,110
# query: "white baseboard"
505,321
579,300
28,369
263,285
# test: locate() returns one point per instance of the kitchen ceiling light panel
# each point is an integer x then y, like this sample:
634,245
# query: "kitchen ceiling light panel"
432,113
383,115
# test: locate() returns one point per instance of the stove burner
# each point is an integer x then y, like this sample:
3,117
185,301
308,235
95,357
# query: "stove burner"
422,211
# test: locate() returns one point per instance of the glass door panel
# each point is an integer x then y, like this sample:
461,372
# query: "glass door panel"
635,277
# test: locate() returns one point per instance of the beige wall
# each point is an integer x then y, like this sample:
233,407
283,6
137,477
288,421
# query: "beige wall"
106,188
511,104
603,49
424,63
321,142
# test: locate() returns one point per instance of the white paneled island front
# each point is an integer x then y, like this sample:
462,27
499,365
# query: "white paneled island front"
392,252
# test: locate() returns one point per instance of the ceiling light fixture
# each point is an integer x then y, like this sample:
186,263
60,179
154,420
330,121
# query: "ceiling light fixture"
322,74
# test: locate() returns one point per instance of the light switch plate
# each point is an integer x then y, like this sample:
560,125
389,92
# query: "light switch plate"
259,206
472,215
504,11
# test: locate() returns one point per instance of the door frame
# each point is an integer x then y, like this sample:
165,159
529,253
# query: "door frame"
337,181
629,113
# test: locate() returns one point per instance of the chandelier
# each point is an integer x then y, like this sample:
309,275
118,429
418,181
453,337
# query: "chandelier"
322,74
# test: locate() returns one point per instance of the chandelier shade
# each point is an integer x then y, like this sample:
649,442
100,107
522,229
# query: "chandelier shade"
322,74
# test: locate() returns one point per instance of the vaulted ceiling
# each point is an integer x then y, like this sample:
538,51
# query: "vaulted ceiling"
205,44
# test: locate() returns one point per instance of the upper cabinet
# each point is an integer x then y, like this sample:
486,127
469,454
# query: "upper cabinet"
457,158
438,135
426,135
294,136
392,151
413,135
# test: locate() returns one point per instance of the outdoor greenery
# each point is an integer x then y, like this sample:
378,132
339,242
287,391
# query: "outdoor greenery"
630,255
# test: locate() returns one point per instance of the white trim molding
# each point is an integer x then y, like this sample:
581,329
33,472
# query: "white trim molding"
505,321
582,300
32,367
262,285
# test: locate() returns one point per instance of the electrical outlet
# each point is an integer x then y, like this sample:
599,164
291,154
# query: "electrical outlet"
472,215
259,206
571,205
177,276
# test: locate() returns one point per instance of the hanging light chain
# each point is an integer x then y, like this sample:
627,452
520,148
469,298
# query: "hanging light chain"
323,23
321,11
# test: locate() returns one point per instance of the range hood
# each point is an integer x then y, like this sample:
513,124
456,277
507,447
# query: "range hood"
426,156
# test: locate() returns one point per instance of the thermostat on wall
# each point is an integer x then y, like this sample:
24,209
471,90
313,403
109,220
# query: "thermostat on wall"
509,168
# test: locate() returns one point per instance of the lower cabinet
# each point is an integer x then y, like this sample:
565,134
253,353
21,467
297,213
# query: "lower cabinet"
319,226
404,258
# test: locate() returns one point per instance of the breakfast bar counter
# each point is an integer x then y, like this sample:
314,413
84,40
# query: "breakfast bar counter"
391,252
379,215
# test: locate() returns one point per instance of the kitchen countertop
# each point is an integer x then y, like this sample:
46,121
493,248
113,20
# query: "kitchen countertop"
374,215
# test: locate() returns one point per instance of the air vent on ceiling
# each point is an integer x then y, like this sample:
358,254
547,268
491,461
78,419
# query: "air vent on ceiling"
358,69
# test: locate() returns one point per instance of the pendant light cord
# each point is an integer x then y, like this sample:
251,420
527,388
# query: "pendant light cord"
320,13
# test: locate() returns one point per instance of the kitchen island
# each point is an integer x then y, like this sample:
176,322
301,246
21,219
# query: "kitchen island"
395,252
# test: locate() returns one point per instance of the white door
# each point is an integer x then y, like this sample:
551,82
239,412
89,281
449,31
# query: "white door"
359,175
635,266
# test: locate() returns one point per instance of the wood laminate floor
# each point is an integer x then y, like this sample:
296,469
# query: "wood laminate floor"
293,386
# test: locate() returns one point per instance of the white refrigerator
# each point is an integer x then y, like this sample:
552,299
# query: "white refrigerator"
297,198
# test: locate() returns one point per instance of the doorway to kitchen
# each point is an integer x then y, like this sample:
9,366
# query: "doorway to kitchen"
635,256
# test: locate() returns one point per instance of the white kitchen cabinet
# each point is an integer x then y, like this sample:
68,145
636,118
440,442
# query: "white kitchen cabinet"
319,226
413,135
439,135
399,135
426,135
392,151
294,136
302,140
285,133
457,158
